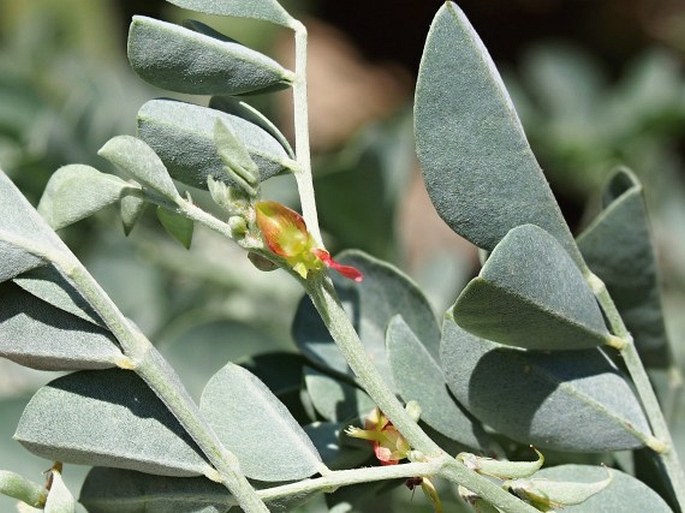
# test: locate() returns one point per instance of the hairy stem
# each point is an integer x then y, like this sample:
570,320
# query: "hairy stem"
303,175
320,289
146,361
650,403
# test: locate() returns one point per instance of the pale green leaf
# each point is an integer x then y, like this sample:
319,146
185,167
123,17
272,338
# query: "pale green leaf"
182,134
109,490
108,418
267,10
247,112
335,400
370,305
21,226
176,225
479,169
199,61
618,248
38,335
131,209
567,401
136,158
419,378
253,424
624,494
529,294
237,161
77,191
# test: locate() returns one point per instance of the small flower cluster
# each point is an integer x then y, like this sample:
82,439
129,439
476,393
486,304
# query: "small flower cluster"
389,445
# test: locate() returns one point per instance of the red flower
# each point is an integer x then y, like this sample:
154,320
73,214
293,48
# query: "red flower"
285,234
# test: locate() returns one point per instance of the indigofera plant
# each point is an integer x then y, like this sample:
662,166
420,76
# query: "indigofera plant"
535,349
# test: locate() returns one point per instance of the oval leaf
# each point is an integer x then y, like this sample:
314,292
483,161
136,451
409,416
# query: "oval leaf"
384,293
618,248
624,493
187,61
20,222
252,423
267,10
131,209
419,378
109,490
38,335
77,191
182,134
529,294
139,160
541,398
479,169
109,418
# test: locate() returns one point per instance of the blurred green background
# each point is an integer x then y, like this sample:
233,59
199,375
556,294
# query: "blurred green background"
596,84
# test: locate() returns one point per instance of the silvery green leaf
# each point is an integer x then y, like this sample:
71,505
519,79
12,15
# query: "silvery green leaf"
479,170
182,135
35,334
247,112
21,228
335,400
237,161
530,294
618,248
624,493
267,10
77,191
565,400
252,423
108,418
176,225
111,490
419,378
131,209
384,293
136,158
199,61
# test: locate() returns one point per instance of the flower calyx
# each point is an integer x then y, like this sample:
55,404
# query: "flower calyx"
285,233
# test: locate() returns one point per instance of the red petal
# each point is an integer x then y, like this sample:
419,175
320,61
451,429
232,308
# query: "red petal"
345,270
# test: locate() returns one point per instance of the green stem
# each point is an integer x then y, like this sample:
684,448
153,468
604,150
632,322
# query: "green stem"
650,403
146,361
320,290
303,175
16,486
